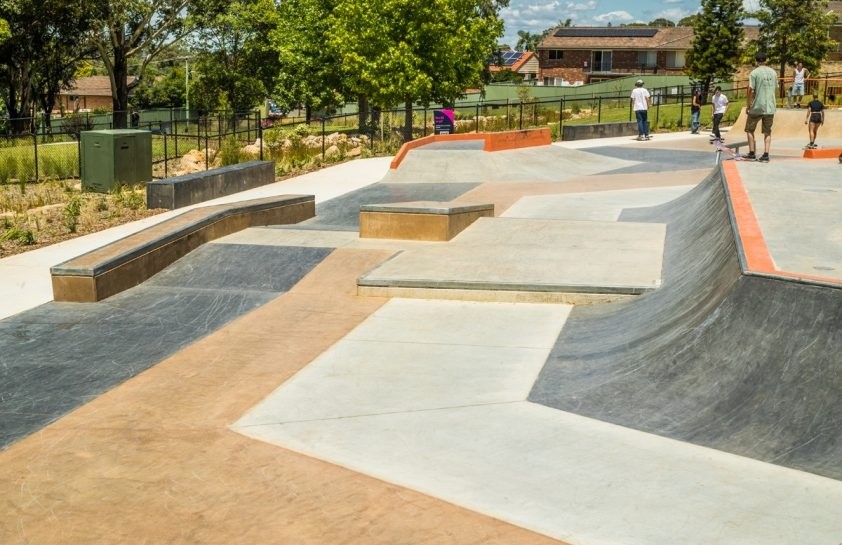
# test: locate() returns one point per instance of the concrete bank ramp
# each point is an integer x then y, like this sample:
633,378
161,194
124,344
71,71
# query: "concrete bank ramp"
744,364
544,163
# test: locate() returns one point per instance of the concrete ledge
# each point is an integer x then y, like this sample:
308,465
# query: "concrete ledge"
127,262
420,220
599,130
822,153
493,141
198,187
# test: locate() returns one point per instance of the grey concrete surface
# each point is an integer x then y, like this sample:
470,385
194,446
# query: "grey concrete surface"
198,187
58,356
742,364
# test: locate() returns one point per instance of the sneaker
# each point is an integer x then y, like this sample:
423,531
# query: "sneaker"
813,146
750,156
764,158
648,138
640,138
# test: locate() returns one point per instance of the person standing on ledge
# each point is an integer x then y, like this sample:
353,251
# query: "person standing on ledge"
800,77
640,100
762,83
815,118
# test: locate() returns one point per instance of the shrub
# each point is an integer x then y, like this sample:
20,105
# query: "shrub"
229,153
72,211
20,235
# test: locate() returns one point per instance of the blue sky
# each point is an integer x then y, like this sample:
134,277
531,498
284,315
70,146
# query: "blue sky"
538,15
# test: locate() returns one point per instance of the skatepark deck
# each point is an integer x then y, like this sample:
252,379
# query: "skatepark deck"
248,394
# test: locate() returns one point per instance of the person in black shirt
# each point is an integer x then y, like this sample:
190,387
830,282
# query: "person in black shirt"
814,119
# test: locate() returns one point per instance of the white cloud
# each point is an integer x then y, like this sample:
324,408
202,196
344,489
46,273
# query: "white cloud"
582,7
614,16
549,7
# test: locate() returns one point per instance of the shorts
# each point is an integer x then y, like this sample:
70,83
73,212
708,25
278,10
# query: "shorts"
815,118
798,89
751,123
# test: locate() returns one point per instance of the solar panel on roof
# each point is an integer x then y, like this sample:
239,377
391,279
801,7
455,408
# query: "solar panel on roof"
507,58
605,32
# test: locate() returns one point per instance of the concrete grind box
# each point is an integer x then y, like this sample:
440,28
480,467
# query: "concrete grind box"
115,157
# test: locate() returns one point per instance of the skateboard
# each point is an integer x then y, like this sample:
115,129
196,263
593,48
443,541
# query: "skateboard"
717,144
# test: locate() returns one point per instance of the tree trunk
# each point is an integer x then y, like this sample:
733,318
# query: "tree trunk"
407,121
362,113
120,92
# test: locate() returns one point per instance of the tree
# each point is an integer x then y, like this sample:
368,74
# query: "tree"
309,73
661,22
45,44
690,20
225,62
136,29
795,31
403,51
717,42
526,41
167,90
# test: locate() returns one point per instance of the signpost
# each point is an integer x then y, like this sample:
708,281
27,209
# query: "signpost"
443,122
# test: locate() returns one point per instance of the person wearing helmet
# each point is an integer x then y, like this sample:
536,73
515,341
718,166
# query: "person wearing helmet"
640,101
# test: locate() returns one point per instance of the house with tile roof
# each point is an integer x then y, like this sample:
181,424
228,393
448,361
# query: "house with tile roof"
591,54
524,63
89,93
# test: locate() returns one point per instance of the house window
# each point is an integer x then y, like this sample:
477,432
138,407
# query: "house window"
647,59
556,54
675,59
601,61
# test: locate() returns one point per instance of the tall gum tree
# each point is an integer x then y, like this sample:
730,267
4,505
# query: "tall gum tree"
404,51
793,31
140,30
717,42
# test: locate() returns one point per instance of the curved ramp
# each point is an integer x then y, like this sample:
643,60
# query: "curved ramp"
744,364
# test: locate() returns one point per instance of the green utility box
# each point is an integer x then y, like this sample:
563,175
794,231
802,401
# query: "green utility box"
115,157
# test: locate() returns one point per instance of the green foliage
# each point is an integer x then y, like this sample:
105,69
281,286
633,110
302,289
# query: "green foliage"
527,41
661,22
506,75
166,91
72,211
404,51
794,31
21,235
128,196
717,43
229,153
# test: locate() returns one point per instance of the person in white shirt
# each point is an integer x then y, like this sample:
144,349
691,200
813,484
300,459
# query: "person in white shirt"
801,75
640,100
720,106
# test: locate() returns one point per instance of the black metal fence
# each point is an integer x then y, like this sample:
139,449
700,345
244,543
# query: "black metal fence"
32,150
52,151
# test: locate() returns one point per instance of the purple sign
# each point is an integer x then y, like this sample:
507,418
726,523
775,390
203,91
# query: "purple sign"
443,122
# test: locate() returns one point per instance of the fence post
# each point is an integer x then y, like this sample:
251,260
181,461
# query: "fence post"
520,121
166,172
476,118
207,145
681,111
508,115
175,134
260,137
425,121
560,116
35,140
599,110
323,138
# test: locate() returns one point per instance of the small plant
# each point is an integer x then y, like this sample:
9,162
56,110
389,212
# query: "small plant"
128,196
25,237
72,211
229,153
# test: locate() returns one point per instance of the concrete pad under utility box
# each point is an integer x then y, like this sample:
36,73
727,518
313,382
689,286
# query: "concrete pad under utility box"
419,220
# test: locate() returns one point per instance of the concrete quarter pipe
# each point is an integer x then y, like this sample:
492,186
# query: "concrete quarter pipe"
740,363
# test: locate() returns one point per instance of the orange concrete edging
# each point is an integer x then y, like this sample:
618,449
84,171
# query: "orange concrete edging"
494,141
127,262
823,153
758,260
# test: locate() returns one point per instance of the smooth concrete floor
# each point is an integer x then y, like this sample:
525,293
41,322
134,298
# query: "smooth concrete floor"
391,421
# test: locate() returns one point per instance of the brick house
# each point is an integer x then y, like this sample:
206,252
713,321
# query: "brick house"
591,54
89,93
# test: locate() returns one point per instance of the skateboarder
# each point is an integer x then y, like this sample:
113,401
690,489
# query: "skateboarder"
640,101
763,81
814,119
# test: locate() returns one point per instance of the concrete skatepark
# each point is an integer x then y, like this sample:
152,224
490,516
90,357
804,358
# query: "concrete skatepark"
640,347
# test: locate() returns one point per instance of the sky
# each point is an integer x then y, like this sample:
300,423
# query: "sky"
537,15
